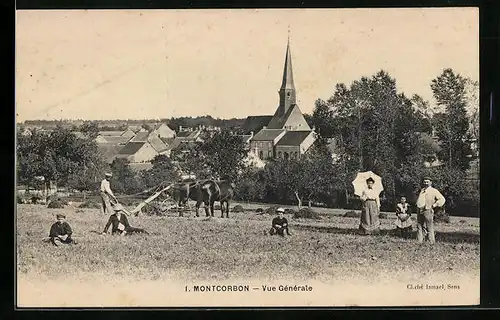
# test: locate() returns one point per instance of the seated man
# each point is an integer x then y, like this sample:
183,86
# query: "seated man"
120,224
60,231
280,224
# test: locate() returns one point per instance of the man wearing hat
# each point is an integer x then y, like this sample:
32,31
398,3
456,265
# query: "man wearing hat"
107,195
428,199
60,231
279,224
119,223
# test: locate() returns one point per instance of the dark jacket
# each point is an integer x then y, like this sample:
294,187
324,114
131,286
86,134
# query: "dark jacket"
113,220
60,229
280,222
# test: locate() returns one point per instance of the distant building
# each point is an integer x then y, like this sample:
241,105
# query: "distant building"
163,131
262,144
294,143
128,133
137,152
287,135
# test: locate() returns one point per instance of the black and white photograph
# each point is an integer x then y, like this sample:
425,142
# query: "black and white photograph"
247,158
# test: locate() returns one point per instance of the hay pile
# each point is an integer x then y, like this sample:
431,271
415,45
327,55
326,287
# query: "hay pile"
271,210
93,204
306,213
57,203
440,215
238,208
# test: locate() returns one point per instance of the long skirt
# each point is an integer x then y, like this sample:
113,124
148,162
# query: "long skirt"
369,217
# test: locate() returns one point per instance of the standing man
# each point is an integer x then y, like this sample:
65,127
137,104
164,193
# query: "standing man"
428,199
107,195
279,224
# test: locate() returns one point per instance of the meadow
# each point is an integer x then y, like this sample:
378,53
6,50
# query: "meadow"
213,250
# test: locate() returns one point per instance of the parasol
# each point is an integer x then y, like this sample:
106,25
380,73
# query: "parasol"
360,182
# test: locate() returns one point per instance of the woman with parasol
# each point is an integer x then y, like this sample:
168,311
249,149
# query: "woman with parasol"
369,195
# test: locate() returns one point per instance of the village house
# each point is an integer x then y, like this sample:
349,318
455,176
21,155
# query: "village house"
262,144
294,143
137,152
163,131
287,135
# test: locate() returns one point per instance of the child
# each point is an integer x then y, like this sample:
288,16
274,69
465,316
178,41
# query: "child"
403,220
279,224
61,232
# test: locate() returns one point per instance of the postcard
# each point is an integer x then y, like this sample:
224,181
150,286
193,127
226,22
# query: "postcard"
247,158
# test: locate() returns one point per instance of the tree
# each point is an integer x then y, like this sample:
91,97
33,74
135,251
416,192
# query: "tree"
251,185
452,126
90,129
322,119
472,99
124,180
60,157
162,171
224,154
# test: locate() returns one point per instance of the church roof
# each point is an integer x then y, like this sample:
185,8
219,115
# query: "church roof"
267,134
287,82
293,138
293,113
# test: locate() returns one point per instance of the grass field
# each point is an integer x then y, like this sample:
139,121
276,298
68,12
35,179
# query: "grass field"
215,250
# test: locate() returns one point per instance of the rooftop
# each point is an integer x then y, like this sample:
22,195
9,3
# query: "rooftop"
293,138
267,134
131,148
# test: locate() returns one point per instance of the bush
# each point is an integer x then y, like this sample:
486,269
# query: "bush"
90,204
290,211
352,214
440,215
306,213
56,204
382,215
238,208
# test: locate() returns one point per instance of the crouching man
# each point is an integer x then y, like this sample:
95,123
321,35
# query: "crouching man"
119,223
279,224
60,231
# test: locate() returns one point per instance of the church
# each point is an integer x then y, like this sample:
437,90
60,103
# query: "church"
287,135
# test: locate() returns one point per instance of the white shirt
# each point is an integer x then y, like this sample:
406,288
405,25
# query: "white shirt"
105,187
430,198
370,194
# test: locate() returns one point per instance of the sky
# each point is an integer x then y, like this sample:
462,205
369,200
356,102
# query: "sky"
152,64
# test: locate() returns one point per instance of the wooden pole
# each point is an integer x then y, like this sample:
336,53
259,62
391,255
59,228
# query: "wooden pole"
148,200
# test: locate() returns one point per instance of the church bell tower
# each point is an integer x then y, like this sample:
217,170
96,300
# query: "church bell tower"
287,90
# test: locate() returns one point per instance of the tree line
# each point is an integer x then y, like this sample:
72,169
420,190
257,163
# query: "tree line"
374,127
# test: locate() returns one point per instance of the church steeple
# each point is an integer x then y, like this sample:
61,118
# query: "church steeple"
287,90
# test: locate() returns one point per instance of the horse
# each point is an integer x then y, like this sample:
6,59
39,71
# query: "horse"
181,192
206,192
